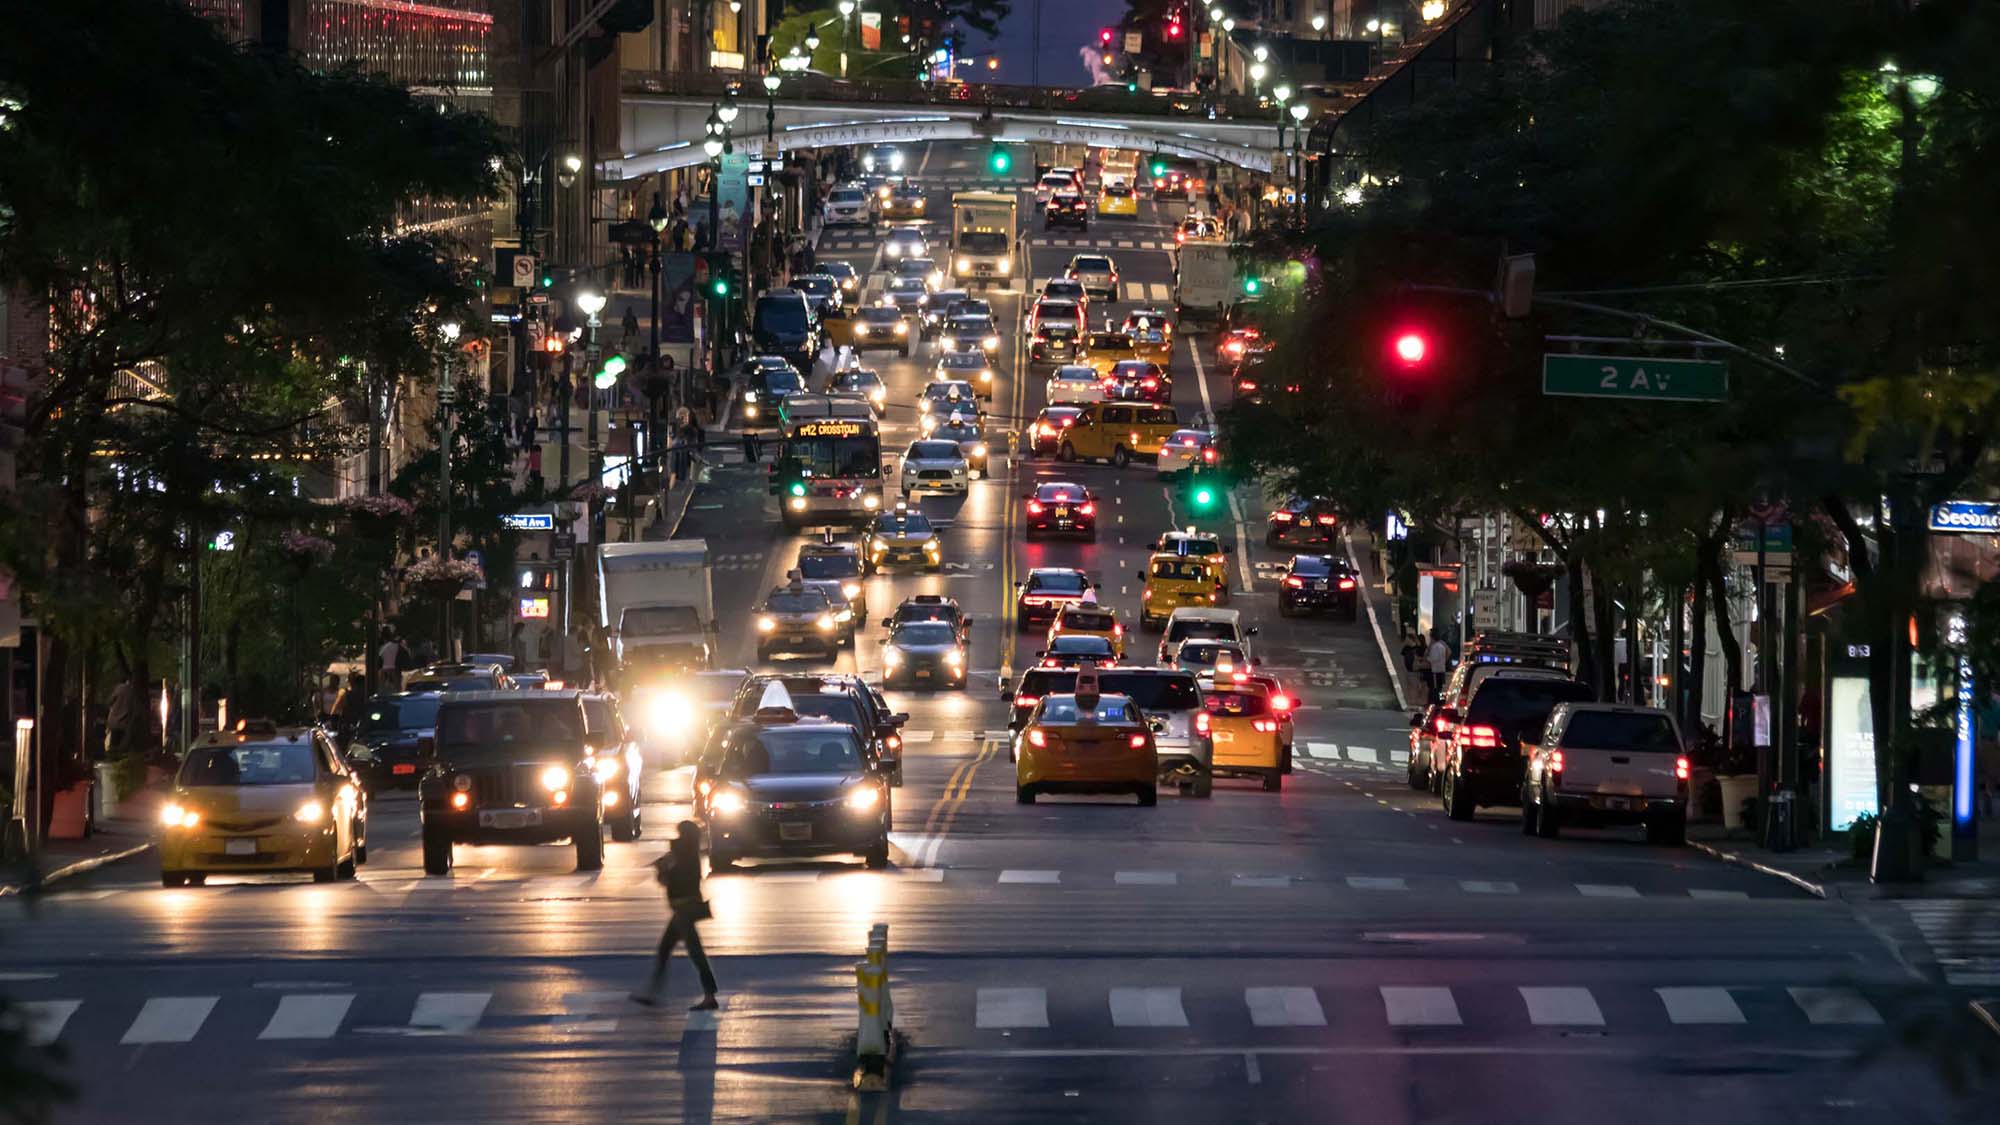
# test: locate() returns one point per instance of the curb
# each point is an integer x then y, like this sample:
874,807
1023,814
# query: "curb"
1817,890
79,867
1988,1013
1374,626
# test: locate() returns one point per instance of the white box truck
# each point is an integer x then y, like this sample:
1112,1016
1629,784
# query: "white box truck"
984,225
657,605
1205,282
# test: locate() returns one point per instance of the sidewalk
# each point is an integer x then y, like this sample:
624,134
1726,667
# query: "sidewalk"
116,839
1830,872
1412,693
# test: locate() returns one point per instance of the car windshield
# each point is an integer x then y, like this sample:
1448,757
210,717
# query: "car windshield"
1056,180
654,619
1180,570
1092,265
1642,733
963,361
957,432
817,286
881,314
857,380
848,195
778,751
286,763
1188,627
1063,709
903,285
839,270
1204,654
1062,287
983,242
1203,547
908,522
400,714
830,565
906,236
1061,494
1080,644
927,633
780,314
837,706
1518,703
1094,620
934,451
945,392
780,379
524,724
805,601
1057,583
968,322
1120,189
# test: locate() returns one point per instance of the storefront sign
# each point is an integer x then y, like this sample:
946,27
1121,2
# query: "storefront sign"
536,608
1850,752
1966,517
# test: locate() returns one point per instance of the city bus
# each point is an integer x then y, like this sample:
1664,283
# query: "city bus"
829,471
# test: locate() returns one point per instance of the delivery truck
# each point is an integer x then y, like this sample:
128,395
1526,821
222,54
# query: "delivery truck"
984,225
657,606
1205,281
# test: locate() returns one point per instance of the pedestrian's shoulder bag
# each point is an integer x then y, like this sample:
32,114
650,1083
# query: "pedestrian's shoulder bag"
694,909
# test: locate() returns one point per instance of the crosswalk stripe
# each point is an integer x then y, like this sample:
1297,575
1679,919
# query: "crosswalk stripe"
170,1019
449,1012
42,1021
1146,878
916,737
1012,1007
1261,881
1363,754
1834,1006
1323,750
1377,883
1700,1005
1606,890
1488,887
1703,892
590,1011
1561,1007
1420,1006
1284,1007
1147,1007
308,1016
1019,876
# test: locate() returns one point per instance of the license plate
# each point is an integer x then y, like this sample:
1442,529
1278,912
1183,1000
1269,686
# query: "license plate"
245,846
923,673
509,818
402,767
795,831
1619,803
1062,513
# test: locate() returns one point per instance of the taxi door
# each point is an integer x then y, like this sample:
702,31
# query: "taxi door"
1148,428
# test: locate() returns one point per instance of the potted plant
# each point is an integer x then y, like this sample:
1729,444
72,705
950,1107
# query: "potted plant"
441,578
1533,579
1736,776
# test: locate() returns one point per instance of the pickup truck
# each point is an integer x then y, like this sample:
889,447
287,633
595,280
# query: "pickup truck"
1604,763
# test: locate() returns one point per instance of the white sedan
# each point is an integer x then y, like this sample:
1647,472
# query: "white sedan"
934,466
1074,383
1186,450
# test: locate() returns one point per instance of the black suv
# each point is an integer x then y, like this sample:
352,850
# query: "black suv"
932,607
1483,764
1319,582
393,743
780,784
783,323
512,767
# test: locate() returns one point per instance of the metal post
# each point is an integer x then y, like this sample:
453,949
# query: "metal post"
568,526
447,395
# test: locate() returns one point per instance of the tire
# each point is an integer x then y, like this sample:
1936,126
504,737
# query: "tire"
877,856
326,874
1528,817
170,879
361,854
590,849
1024,794
1120,456
346,869
1066,452
1548,825
1669,833
1286,765
1457,802
1285,609
1149,795
1204,787
623,830
1415,781
1274,781
896,778
437,853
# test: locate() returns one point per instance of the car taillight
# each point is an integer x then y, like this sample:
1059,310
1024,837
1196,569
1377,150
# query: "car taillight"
1327,521
1249,388
1267,726
1481,737
1026,700
1087,510
1281,703
1037,738
1208,455
1347,583
1034,507
1442,725
1296,583
1117,630
1233,347
1201,723
1137,741
1680,767
1046,431
1149,384
1555,761
1282,517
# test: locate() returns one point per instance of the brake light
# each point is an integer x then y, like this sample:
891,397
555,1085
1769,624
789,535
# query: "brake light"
1680,767
1180,236
1281,703
1233,347
1201,723
1267,726
1555,761
1347,583
1481,737
1208,455
1149,383
1138,741
1188,441
1296,583
1026,700
893,742
1088,510
1327,521
1442,725
1034,507
1248,387
1037,738
1282,517
1117,630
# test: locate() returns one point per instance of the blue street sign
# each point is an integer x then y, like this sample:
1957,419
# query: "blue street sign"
1966,517
529,521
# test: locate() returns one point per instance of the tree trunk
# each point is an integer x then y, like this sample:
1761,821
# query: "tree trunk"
1697,673
1579,617
1732,653
1604,623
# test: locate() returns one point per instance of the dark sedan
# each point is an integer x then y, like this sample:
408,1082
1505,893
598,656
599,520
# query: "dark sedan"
1317,583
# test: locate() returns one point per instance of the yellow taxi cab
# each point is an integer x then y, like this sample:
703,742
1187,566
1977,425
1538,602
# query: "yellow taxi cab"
1195,544
1082,619
1102,351
1152,342
1086,742
1243,729
1173,581
262,798
1119,432
1117,199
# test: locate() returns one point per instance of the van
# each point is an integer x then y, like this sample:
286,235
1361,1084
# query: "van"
1119,432
1189,622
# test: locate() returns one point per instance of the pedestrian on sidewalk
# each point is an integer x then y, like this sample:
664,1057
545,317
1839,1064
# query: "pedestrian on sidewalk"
394,657
679,871
1437,660
1410,651
631,326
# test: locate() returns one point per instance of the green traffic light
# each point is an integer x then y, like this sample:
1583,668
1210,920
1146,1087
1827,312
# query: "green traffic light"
607,376
1159,167
721,287
548,280
1131,87
1204,496
798,488
1000,160
1251,285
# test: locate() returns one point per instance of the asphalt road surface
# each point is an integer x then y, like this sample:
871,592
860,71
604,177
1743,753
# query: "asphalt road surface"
1337,952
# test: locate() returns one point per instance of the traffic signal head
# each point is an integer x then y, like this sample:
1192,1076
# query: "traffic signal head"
1410,346
1174,30
1202,496
1104,36
1252,286
546,279
606,376
720,285
1159,167
553,343
1000,160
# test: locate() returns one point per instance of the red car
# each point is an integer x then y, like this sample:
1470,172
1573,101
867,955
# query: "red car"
1045,434
1046,590
1060,508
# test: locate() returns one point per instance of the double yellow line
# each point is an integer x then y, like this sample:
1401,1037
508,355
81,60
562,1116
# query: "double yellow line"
938,825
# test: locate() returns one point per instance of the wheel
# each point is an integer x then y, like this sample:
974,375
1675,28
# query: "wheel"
1416,781
437,852
622,830
361,854
1274,781
346,869
1285,609
170,879
590,848
1457,802
877,855
720,861
763,655
326,874
1066,452
1149,795
1024,794
896,776
1204,786
1528,818
1285,765
1120,456
1667,832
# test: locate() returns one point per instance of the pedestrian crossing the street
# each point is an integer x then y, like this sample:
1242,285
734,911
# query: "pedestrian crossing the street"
972,1009
1964,936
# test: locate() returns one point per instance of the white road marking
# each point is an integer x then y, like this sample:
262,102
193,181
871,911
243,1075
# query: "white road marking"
1251,1072
1364,754
1323,750
308,1016
1561,1007
703,1021
1700,892
1012,1007
1261,881
1420,1007
1700,1005
916,737
590,1011
1235,508
1606,890
1488,887
1834,1006
449,1012
1022,876
1147,1007
1377,883
1374,626
1146,878
1284,1007
169,1019
41,1021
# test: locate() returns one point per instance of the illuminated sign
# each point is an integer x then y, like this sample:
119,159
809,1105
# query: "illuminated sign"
834,427
529,521
1966,517
534,608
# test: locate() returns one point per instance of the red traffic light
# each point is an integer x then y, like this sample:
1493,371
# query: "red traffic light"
1173,31
1104,36
1411,347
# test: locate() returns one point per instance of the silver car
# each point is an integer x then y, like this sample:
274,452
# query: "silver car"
974,367
934,466
1097,275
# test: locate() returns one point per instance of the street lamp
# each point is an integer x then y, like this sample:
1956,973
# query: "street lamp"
728,110
846,14
1299,111
812,40
447,393
1319,24
567,170
1257,72
1260,52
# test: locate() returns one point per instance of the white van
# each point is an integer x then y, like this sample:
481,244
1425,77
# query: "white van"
1187,623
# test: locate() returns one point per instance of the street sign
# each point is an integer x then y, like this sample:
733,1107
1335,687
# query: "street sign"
1777,542
1134,42
1655,380
529,521
565,545
524,271
478,559
632,232
1966,517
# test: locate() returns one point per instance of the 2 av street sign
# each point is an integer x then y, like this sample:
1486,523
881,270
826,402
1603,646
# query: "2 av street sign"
1652,380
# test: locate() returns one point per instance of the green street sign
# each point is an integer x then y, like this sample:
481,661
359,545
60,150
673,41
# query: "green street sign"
1654,380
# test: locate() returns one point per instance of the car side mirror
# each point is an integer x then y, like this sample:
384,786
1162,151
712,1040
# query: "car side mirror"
1041,652
1140,575
888,622
899,718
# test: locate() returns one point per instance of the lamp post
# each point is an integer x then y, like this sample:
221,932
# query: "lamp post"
1299,111
712,145
846,17
1214,45
447,395
655,383
591,303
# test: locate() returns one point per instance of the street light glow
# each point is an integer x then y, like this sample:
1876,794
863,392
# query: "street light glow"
1319,23
771,81
1282,92
449,330
590,301
1215,12
1258,71
1411,347
1260,53
1299,111
712,146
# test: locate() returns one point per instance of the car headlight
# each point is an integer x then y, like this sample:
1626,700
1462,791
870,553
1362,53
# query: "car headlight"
666,712
864,798
825,623
1006,265
312,812
990,343
931,546
937,279
606,766
850,590
923,406
844,616
979,450
891,657
902,329
749,396
555,777
175,815
878,394
766,624
871,502
798,503
965,265
954,658
728,802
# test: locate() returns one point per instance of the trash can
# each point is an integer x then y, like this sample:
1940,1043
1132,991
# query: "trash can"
105,792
